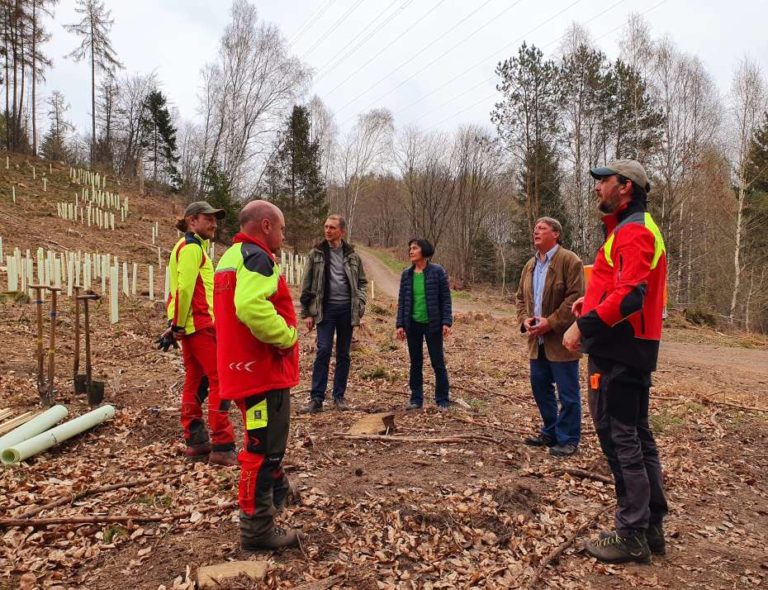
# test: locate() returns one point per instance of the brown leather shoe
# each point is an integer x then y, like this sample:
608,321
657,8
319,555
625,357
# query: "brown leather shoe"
197,452
225,458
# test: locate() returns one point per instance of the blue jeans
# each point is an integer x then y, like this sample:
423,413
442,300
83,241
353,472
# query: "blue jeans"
564,426
338,319
416,334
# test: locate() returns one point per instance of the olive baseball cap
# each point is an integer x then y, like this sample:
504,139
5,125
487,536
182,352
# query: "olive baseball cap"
203,208
631,169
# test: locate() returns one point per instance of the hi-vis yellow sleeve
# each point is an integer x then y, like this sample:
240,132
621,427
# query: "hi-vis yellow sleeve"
254,309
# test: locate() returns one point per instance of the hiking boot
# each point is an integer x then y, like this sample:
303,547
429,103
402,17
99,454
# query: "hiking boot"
655,537
225,458
341,404
314,406
413,406
277,538
565,450
541,440
443,406
197,452
613,548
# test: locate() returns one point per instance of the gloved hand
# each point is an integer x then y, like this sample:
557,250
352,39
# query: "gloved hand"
166,340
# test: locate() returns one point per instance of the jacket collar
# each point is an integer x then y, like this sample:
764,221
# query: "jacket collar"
190,235
324,246
613,219
242,237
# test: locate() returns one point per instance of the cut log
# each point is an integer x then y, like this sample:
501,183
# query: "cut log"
214,576
374,424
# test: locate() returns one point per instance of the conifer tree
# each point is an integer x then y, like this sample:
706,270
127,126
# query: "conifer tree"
294,182
159,139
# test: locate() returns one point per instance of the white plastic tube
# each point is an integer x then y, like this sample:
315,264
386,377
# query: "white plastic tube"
34,427
46,440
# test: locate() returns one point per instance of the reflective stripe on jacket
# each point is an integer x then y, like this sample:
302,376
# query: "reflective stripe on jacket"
190,294
255,322
624,302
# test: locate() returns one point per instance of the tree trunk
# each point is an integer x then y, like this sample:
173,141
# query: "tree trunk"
737,252
34,77
93,97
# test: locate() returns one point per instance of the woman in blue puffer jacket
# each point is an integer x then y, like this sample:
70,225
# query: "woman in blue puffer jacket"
424,313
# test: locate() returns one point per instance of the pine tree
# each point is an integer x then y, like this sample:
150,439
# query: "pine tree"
159,139
54,145
217,190
294,182
94,28
527,121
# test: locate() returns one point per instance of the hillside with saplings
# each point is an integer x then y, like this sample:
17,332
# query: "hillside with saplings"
437,500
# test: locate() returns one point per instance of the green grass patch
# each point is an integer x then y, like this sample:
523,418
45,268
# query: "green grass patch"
664,421
389,260
375,373
113,532
461,295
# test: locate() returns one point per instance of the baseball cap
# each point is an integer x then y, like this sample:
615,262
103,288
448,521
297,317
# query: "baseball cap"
203,208
631,169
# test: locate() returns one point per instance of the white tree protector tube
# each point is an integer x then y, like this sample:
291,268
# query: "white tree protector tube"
34,427
46,440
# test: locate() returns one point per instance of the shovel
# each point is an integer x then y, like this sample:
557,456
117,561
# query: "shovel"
95,389
41,387
78,379
50,395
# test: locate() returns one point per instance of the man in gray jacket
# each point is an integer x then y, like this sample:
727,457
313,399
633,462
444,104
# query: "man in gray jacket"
333,296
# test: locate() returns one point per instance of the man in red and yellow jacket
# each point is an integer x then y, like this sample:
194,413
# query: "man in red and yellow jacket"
619,326
190,315
258,362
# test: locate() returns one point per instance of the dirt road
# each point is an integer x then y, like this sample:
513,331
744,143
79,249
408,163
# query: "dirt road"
736,367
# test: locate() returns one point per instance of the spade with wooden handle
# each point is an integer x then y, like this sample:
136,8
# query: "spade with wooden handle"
50,394
95,389
78,379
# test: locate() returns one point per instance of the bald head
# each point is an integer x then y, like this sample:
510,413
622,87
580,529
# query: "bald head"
263,220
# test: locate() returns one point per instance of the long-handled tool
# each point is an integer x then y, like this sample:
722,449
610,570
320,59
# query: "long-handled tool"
95,389
41,387
50,395
78,379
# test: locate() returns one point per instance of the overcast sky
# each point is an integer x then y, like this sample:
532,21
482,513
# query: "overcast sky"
431,62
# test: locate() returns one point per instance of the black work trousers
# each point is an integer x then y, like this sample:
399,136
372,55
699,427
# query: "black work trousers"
618,403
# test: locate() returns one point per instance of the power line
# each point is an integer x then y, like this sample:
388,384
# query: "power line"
310,22
333,27
395,40
347,51
492,78
421,51
491,56
490,96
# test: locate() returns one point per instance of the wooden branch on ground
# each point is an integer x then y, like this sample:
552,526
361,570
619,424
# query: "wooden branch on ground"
80,495
583,474
706,400
40,522
415,439
555,555
489,425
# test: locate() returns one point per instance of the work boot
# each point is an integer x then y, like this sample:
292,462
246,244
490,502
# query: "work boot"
341,404
197,452
655,537
225,458
413,406
314,406
613,548
253,537
565,450
539,441
284,497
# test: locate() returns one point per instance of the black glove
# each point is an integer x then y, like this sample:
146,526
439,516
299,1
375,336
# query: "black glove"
165,341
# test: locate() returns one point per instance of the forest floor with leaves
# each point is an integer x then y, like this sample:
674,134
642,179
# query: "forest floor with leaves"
447,500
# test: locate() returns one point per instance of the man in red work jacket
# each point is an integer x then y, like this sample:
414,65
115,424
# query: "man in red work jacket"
258,361
619,326
191,320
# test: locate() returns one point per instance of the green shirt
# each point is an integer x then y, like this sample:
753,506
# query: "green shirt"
419,313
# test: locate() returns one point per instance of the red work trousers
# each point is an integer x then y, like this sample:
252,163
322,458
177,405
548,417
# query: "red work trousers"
199,353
